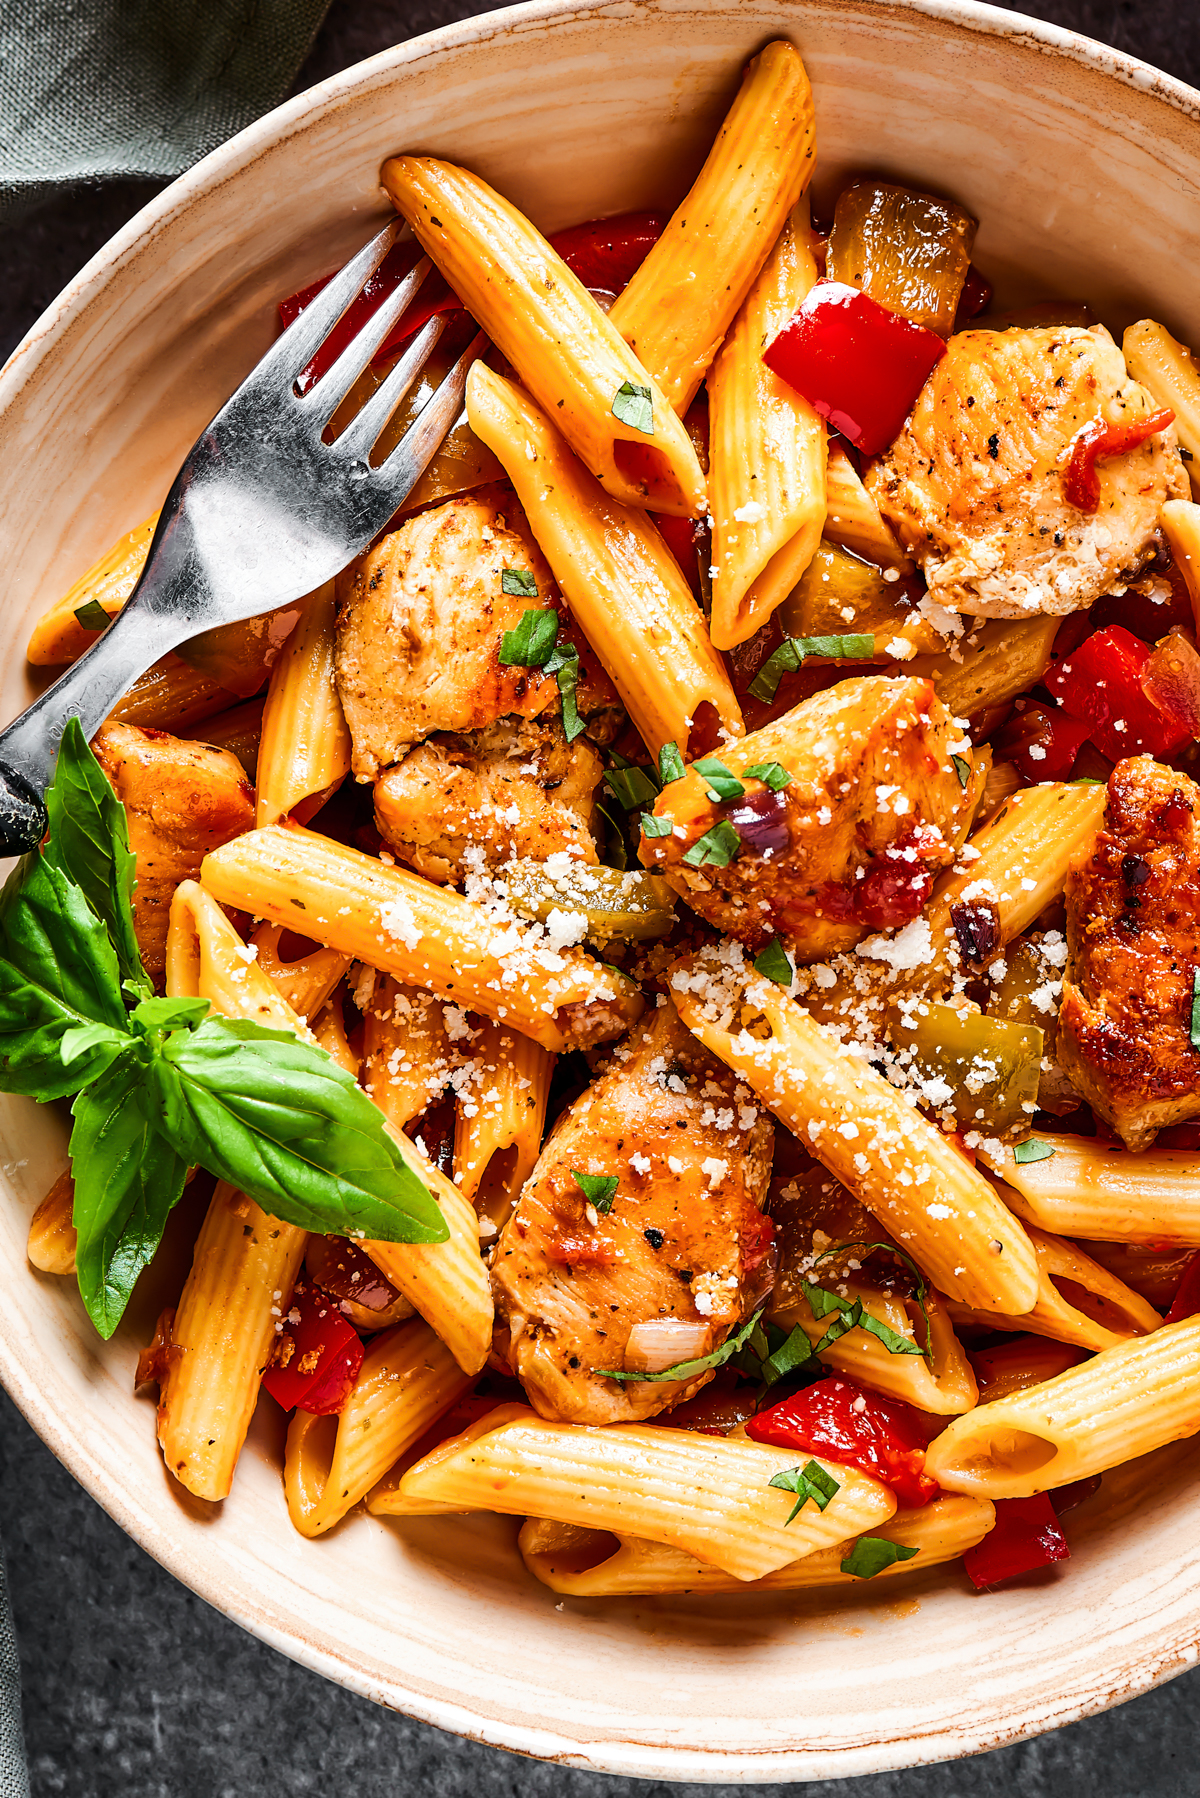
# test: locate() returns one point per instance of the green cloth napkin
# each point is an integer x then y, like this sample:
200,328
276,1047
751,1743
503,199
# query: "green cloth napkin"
92,90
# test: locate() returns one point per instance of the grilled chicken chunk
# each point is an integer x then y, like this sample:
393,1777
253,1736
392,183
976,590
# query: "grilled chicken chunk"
181,799
1133,939
873,809
976,483
678,1247
420,619
513,789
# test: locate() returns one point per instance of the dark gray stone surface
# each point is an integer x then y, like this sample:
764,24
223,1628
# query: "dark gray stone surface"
133,1687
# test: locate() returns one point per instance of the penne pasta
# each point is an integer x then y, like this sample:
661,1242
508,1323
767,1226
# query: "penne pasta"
59,634
239,730
305,983
686,294
244,1266
1078,1300
921,1187
584,1563
329,1028
304,751
407,1380
408,1057
708,1496
387,1500
207,959
1181,522
1089,1188
172,696
51,1244
1167,370
572,358
941,1383
766,453
622,583
499,1122
996,660
1124,1402
425,935
854,520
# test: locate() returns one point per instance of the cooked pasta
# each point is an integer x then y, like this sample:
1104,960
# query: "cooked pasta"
853,519
1103,1313
1167,370
59,634
51,1245
306,982
500,1121
1081,1186
941,1383
304,750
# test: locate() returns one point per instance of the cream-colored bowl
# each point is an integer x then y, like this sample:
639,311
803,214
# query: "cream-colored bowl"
1083,167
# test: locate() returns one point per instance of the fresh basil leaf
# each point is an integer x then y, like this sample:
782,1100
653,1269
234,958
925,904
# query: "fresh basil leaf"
598,1189
155,1018
92,616
127,1178
283,1122
530,643
962,768
634,406
684,1370
518,583
796,1352
656,827
773,963
670,764
871,1554
564,665
1194,1034
774,774
1033,1149
721,783
809,1481
89,843
717,846
631,787
793,652
81,1037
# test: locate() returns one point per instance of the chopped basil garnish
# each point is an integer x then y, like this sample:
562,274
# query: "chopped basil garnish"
794,1352
631,787
684,1370
1033,1150
656,827
563,663
531,643
866,1322
774,963
871,1554
1194,1033
809,1481
634,406
852,1315
598,1189
92,616
962,768
670,764
721,783
718,846
519,583
793,652
774,774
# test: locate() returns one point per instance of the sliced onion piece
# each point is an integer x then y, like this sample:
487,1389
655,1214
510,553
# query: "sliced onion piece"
661,1342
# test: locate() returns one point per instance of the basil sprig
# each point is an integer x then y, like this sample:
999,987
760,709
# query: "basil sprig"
158,1085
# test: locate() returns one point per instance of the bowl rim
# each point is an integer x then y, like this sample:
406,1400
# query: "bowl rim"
1153,1666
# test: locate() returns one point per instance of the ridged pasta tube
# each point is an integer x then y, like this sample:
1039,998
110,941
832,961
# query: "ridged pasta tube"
407,1054
500,1119
766,453
574,361
684,297
1167,370
1089,1188
426,936
1124,1402
710,1497
58,636
622,583
171,696
853,519
305,983
1105,1310
304,750
943,1383
207,959
51,1244
1181,522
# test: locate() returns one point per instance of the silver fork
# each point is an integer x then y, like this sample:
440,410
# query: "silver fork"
262,512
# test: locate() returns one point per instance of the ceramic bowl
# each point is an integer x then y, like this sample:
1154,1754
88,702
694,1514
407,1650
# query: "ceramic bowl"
1082,166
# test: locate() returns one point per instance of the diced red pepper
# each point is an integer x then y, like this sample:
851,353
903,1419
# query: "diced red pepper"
859,365
603,253
1186,1302
1065,1498
682,538
1042,743
1101,682
838,1418
1026,1536
317,1354
1097,442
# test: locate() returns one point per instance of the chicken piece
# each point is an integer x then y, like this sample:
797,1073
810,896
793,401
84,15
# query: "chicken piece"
1133,941
420,618
513,789
975,483
681,1243
875,807
181,800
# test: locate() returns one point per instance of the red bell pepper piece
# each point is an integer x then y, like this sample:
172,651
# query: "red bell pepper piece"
976,297
317,1354
1042,743
858,364
1026,1536
1186,1302
879,1436
1097,442
603,253
1101,682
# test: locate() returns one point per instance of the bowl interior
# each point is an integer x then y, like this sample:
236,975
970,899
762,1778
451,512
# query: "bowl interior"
1081,171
